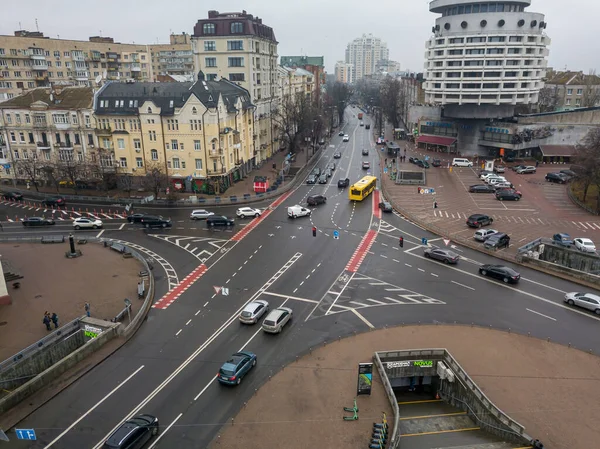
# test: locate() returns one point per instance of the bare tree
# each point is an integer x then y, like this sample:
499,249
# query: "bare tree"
293,117
71,170
32,168
340,94
591,89
391,91
126,183
587,161
156,179
548,99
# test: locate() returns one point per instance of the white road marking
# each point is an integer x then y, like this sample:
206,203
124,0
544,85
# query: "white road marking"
178,332
99,234
410,266
122,226
196,314
463,285
362,318
541,314
153,445
433,274
188,322
290,297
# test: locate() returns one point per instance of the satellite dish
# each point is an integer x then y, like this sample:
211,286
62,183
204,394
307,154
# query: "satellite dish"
98,79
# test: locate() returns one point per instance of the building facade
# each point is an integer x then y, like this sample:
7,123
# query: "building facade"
173,59
569,90
240,48
488,55
344,72
199,135
364,54
312,64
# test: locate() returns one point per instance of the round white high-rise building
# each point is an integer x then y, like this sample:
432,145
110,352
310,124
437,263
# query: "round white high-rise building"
485,53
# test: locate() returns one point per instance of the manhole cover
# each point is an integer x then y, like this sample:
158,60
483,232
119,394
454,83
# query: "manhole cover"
115,275
3,323
38,296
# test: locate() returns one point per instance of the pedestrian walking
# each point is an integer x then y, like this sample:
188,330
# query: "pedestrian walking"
54,319
401,242
537,163
87,309
435,204
46,321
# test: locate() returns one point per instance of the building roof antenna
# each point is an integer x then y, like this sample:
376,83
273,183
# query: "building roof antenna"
36,25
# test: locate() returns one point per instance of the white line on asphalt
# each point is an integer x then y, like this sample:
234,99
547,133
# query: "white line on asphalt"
408,265
463,285
178,332
295,290
541,314
188,322
362,318
290,297
153,445
433,274
385,257
196,314
335,300
122,226
396,260
93,408
421,269
99,234
212,297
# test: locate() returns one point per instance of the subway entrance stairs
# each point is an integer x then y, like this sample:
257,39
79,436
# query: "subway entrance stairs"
430,423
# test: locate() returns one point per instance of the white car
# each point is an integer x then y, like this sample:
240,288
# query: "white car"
253,311
586,300
585,245
346,138
298,211
87,223
244,212
483,234
494,181
201,214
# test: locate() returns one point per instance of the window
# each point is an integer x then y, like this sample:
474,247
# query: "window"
176,162
568,102
8,118
60,118
194,110
22,137
579,91
237,28
123,162
74,119
31,138
154,155
121,144
174,145
139,163
236,62
210,62
18,118
236,77
195,125
16,154
197,146
137,144
152,135
77,139
208,28
210,46
67,54
235,45
569,91
173,125
578,102
90,139
211,77
149,111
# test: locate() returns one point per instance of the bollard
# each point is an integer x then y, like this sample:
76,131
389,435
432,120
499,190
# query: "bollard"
569,345
232,421
529,334
509,330
548,339
310,350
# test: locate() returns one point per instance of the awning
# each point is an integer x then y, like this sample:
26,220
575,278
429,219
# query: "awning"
558,150
437,140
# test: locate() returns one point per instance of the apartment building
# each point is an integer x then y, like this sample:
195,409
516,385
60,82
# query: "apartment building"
239,47
199,134
364,54
570,90
29,60
344,72
45,132
312,64
293,82
174,59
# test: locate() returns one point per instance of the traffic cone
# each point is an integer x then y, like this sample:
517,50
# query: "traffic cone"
437,395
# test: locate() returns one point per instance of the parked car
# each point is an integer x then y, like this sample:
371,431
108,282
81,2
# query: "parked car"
87,223
253,311
445,255
587,301
12,196
461,162
368,126
346,138
436,163
323,179
503,185
244,212
509,158
584,244
156,221
133,433
200,214
276,319
235,368
312,179
492,180
423,164
298,211
483,234
497,241
366,165
337,155
411,160
479,220
499,169
518,167
219,221
507,195
481,188
526,170
559,178
136,218
315,200
342,183
562,239
386,207
37,221
506,274
54,201
569,173
484,173
365,151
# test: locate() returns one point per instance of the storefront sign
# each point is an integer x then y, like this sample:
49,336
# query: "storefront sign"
365,378
407,363
91,331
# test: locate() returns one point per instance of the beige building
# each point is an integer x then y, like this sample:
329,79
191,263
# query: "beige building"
198,134
343,72
240,48
565,91
292,82
175,58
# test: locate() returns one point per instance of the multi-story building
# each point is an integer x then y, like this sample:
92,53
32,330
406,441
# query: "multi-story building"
173,59
344,72
364,54
46,132
198,134
568,90
295,81
29,60
312,64
240,48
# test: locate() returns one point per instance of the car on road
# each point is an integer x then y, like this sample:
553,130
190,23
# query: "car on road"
518,167
236,367
587,301
346,138
559,178
135,218
253,311
133,433
368,126
323,179
276,319
37,221
337,155
156,221
315,200
331,166
244,212
445,255
479,220
481,188
87,223
386,206
461,162
505,274
362,124
219,221
483,234
436,163
422,164
499,169
584,244
342,183
341,134
54,201
200,214
298,211
12,196
562,239
316,172
507,195
366,165
328,172
312,179
365,151
497,241
529,169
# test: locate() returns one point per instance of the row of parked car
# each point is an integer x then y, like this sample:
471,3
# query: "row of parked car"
51,201
581,243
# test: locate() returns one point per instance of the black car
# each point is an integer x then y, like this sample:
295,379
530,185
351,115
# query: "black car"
569,173
343,183
323,179
218,220
316,171
479,220
341,134
412,160
12,196
509,158
136,218
436,163
315,200
423,164
445,255
365,152
312,179
506,274
133,433
385,206
37,221
54,201
481,188
337,155
151,221
559,178
497,241
368,126
416,161
507,195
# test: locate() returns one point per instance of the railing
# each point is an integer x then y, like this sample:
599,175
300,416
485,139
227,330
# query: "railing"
395,438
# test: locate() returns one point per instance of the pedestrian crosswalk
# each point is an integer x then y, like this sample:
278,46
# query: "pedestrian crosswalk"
27,208
202,248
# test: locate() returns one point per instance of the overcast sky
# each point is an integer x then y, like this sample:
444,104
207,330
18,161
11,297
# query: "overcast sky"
308,27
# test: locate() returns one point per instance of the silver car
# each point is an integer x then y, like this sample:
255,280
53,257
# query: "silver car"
483,234
253,311
444,255
587,301
276,319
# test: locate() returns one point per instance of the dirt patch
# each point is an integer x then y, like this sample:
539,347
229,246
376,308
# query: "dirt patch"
54,283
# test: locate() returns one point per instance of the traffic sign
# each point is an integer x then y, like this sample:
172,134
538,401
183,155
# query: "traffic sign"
423,241
446,241
25,434
217,289
336,234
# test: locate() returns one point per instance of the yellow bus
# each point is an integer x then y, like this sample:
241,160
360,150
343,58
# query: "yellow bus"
362,188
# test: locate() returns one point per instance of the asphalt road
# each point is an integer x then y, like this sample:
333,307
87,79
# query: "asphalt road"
168,368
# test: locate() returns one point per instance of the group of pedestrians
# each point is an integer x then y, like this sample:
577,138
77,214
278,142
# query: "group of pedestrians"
50,319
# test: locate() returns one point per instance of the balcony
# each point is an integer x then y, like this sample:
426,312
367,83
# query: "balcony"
103,131
40,66
38,56
136,67
95,56
217,172
43,146
216,153
40,125
77,56
82,76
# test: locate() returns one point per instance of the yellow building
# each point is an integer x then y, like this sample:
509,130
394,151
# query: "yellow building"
199,135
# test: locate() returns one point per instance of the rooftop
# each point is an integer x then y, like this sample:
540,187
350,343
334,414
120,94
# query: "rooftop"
54,98
295,61
573,78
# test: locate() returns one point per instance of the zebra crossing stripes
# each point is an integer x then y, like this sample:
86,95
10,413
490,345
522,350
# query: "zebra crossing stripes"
202,248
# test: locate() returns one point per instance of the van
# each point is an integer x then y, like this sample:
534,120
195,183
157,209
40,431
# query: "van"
461,162
298,211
